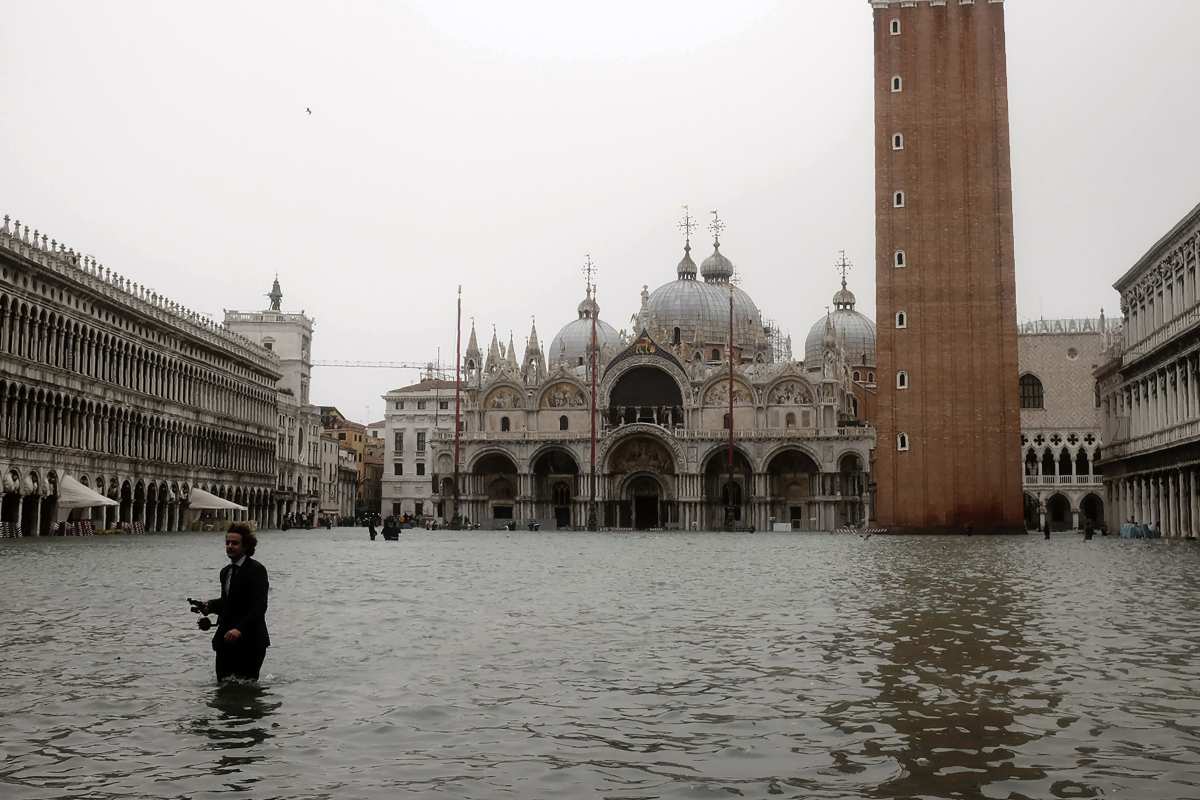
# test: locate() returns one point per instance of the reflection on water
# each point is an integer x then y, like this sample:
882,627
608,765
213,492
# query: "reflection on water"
624,666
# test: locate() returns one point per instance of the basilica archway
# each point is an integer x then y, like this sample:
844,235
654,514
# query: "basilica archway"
727,493
646,394
555,484
495,478
642,469
794,479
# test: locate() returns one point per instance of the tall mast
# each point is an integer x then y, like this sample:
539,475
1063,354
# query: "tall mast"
590,271
716,226
457,400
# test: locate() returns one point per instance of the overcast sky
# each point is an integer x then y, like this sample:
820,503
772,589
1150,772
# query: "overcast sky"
495,144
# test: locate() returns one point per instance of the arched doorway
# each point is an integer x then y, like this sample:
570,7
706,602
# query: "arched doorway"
1033,508
643,468
555,481
496,476
643,503
1091,509
30,505
126,502
852,485
794,478
727,493
1058,513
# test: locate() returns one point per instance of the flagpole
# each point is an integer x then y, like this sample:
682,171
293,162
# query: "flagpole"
455,520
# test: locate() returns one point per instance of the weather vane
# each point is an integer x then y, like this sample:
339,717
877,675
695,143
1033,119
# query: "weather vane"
843,266
589,270
716,226
687,226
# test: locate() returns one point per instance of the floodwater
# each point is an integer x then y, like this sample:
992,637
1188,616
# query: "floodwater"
530,665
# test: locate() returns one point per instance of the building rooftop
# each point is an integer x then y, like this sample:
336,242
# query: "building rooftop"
426,385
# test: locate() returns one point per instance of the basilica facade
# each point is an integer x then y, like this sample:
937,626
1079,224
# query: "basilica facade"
684,439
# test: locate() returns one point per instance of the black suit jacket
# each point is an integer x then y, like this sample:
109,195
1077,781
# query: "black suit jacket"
243,607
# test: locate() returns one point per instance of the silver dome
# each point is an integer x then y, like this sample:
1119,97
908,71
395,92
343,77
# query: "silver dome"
697,307
855,330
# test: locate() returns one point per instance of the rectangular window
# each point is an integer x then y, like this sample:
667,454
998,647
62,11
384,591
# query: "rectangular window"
420,467
342,436
398,468
420,441
396,510
420,405
443,404
399,405
420,508
399,444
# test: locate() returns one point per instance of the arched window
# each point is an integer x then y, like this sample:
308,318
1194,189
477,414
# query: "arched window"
790,420
901,380
1031,392
470,364
726,421
562,422
857,376
900,260
897,141
854,406
902,442
716,354
504,424
897,84
870,377
901,319
675,336
895,27
898,200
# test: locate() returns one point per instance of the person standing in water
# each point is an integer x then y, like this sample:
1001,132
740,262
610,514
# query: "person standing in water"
241,640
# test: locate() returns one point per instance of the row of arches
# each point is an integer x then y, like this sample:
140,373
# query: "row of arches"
1061,465
640,487
47,337
1063,512
29,503
37,416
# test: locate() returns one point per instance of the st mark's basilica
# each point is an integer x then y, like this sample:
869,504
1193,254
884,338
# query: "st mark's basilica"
801,450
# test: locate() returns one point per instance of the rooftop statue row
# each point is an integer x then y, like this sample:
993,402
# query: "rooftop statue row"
51,252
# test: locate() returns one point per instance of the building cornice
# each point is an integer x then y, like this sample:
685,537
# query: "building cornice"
884,4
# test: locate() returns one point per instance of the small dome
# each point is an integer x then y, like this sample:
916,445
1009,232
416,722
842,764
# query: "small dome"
687,267
855,330
716,267
572,342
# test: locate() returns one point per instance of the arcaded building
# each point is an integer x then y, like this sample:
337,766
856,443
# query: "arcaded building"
1149,389
800,455
1062,435
125,391
948,411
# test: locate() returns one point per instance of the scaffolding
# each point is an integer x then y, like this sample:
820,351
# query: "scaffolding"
780,343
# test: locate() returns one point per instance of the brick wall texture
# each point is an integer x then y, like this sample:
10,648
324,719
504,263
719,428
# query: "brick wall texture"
961,411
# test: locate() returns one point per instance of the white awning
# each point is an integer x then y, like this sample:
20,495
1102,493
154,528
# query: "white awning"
199,500
73,494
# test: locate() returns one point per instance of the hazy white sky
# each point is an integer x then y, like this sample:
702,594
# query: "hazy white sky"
495,144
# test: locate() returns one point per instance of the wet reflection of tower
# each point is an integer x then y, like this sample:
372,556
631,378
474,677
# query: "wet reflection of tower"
955,646
948,408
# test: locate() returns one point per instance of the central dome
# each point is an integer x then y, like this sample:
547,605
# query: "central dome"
694,315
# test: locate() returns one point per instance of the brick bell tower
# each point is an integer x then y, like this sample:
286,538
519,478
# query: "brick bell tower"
948,416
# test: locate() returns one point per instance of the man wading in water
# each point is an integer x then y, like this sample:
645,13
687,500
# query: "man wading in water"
241,640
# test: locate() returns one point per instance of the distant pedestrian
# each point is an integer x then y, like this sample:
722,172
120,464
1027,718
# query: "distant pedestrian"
1046,528
371,528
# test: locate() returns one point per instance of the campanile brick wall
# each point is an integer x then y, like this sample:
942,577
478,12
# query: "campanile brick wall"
961,412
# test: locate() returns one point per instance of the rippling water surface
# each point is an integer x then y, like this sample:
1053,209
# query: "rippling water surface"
527,665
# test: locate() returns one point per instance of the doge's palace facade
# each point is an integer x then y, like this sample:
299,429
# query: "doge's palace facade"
129,393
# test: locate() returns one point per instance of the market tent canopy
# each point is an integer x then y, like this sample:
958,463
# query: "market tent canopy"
73,494
200,500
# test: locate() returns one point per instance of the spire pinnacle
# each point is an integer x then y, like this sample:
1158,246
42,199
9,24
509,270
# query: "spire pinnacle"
843,266
687,225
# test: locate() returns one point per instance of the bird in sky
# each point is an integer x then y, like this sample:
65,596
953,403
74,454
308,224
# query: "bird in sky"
308,110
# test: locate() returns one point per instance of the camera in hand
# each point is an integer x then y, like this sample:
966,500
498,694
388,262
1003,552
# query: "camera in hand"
198,607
